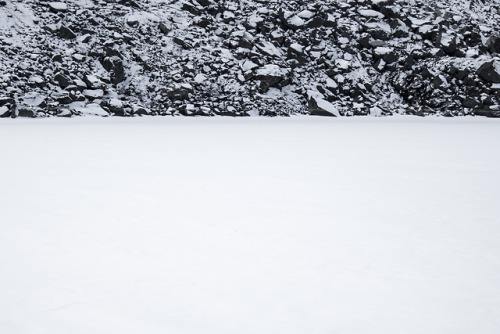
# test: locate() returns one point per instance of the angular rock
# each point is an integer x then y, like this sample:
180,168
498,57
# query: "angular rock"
57,7
493,43
272,76
490,71
320,107
66,33
4,111
62,80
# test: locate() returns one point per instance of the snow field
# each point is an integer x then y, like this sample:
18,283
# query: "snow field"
301,225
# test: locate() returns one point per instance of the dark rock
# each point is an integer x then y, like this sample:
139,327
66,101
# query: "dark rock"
470,103
114,106
490,71
25,111
316,22
64,99
272,76
437,82
487,113
202,22
493,43
364,41
178,94
130,3
66,33
320,107
133,22
186,44
461,74
448,44
140,110
380,31
118,73
296,51
293,22
164,28
114,65
5,111
112,52
193,7
62,80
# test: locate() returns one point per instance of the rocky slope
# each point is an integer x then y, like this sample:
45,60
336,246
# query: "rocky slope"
249,57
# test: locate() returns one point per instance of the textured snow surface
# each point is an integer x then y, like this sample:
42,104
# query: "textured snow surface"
171,225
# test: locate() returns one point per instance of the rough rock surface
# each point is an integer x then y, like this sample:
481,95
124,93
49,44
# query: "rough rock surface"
240,58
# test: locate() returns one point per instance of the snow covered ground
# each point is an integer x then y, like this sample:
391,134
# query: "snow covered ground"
301,225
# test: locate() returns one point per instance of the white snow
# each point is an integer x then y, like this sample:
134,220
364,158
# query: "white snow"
296,21
59,6
115,103
306,14
327,106
342,63
200,78
383,50
383,26
330,83
270,49
93,93
271,69
33,99
248,65
300,225
370,13
496,66
297,47
446,39
94,81
376,111
419,22
228,15
90,109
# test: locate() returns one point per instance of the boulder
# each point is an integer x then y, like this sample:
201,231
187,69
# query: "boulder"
487,113
272,76
490,71
62,80
66,33
58,7
317,106
165,27
4,111
493,43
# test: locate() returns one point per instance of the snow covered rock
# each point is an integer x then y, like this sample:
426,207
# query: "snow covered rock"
204,57
318,106
58,7
272,76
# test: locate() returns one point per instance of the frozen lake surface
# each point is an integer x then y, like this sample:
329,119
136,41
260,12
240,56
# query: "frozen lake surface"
301,225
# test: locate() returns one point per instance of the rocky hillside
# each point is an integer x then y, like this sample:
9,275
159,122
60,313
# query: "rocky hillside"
249,57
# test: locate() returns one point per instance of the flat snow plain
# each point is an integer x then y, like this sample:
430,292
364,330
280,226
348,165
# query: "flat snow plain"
300,225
